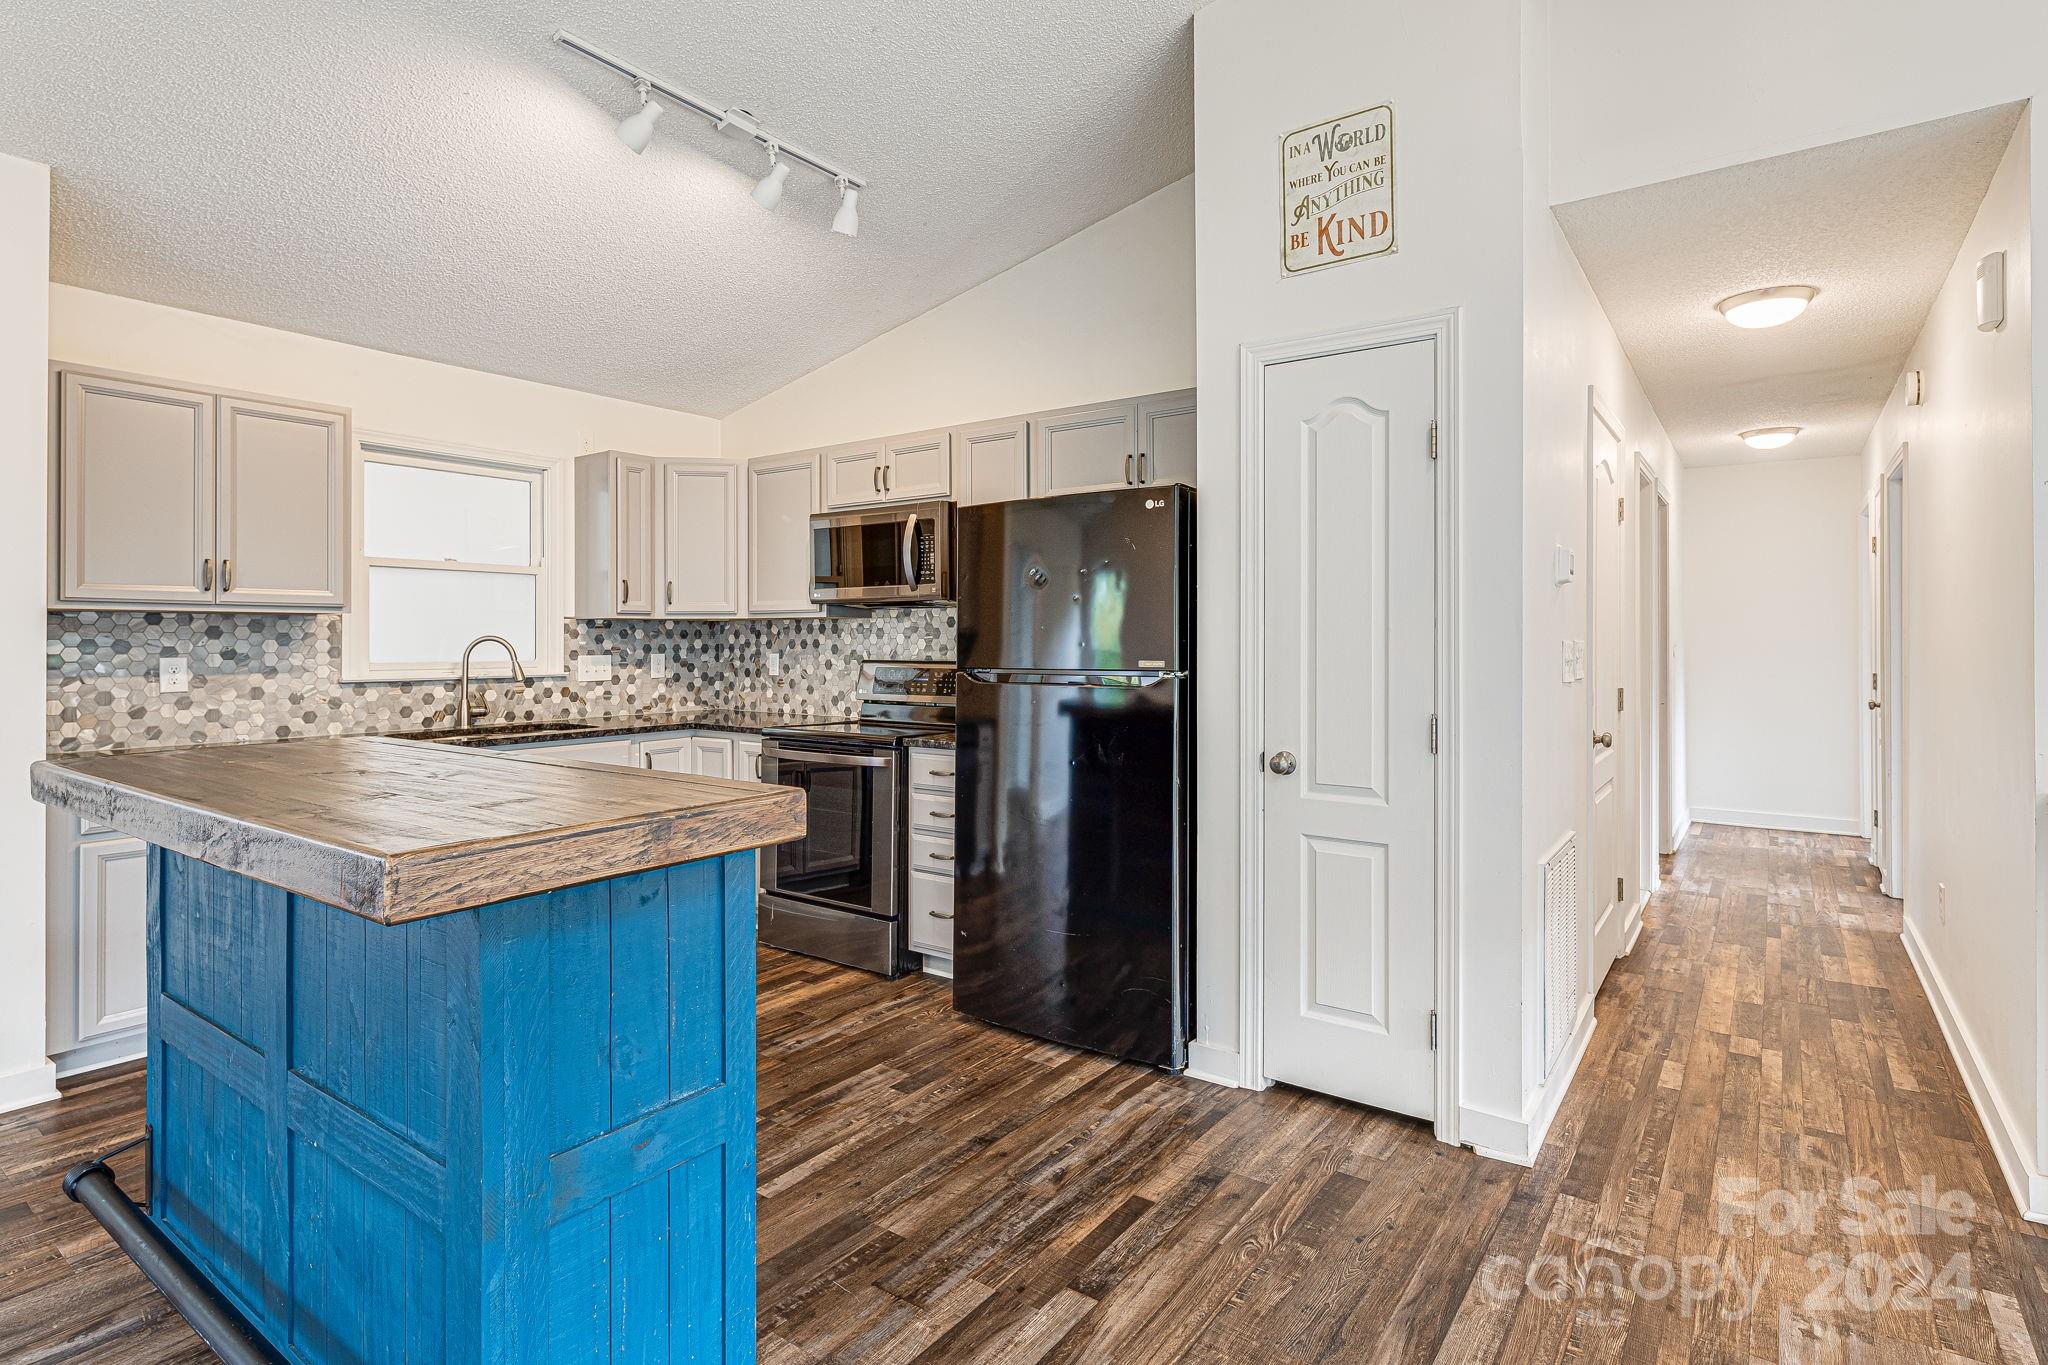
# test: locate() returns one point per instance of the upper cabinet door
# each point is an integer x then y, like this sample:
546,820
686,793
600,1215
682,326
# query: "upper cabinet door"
1084,449
1166,438
134,492
995,463
701,538
782,493
917,468
282,505
633,534
853,474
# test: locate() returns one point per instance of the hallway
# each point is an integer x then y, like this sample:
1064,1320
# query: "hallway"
933,1190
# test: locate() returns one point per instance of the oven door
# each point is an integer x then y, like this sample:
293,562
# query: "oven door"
847,859
888,555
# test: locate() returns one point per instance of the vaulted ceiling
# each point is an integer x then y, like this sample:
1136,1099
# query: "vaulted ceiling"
1874,223
443,180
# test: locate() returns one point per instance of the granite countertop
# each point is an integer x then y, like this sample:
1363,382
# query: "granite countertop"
730,719
394,830
932,742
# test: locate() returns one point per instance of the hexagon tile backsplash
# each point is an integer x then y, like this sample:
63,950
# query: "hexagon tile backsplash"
277,677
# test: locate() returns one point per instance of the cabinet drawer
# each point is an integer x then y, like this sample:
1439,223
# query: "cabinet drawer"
932,769
931,853
931,914
932,812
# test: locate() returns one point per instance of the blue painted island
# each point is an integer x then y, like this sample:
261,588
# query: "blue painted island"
451,1052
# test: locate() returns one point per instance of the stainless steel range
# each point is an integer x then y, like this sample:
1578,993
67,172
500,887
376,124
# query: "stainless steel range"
840,892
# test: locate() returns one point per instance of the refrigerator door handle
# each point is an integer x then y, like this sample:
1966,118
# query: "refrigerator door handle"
1045,678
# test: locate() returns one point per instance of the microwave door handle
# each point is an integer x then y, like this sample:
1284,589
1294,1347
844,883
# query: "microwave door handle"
910,552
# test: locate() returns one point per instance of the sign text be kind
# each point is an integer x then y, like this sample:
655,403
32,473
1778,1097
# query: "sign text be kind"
1337,190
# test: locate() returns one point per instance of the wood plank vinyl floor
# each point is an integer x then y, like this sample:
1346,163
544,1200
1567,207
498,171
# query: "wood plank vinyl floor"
934,1190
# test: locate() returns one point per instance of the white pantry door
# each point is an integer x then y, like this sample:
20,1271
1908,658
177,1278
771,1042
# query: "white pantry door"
1350,686
1613,814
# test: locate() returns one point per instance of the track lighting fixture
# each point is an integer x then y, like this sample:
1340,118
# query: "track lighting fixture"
636,130
846,222
768,189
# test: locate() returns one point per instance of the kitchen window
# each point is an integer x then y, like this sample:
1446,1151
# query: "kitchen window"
454,543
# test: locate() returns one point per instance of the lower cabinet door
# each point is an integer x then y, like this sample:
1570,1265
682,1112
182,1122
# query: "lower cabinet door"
665,755
113,936
746,760
711,756
931,913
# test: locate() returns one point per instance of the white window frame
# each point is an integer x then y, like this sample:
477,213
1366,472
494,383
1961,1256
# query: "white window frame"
549,566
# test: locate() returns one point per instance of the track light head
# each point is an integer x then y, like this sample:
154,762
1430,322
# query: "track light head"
636,129
768,192
846,222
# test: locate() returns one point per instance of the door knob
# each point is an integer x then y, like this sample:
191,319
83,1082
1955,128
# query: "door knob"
1605,739
1873,704
1283,763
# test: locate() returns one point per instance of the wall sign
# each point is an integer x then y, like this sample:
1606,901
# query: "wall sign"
1337,190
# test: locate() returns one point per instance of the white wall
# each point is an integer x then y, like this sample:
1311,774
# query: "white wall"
1451,72
1569,348
1107,313
388,393
1973,489
1773,558
26,1075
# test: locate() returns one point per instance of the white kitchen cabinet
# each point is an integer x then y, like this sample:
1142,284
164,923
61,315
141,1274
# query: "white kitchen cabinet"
994,461
782,493
700,527
746,758
1166,438
664,753
169,496
711,755
931,849
282,505
1082,449
617,500
853,474
931,920
96,926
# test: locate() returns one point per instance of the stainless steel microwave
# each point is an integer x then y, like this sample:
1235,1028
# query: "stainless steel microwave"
883,556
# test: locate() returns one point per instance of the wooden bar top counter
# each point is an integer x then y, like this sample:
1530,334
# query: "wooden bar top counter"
396,830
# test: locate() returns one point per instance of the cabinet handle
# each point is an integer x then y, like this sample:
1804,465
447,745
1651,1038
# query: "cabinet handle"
227,575
940,857
888,478
757,767
1127,469
942,914
877,478
942,815
936,773
647,761
1141,468
625,591
206,574
671,592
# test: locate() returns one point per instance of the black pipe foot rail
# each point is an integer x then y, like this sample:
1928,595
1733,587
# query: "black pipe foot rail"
219,1323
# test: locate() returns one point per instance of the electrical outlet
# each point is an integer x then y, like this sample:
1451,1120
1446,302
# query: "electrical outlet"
657,663
774,663
594,668
174,674
1941,901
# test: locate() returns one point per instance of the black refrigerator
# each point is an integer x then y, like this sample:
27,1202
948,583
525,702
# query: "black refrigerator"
1074,786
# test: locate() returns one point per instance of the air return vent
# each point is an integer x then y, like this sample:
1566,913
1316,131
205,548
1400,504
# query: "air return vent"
1562,952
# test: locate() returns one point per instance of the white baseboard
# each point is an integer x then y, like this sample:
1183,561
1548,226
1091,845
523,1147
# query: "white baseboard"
1518,1140
126,1047
1763,819
35,1084
1215,1064
1680,830
941,967
2029,1186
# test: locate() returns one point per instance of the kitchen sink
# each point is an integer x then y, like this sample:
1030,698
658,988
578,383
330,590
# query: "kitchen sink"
531,729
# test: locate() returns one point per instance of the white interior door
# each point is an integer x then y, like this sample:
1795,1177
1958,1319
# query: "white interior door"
1873,697
1350,841
1613,818
1892,681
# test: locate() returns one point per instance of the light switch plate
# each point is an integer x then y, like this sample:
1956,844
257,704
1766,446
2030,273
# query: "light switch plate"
594,668
657,663
774,663
174,674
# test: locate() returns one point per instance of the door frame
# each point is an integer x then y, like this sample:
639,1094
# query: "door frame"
1253,358
1668,832
1894,580
1599,412
1651,600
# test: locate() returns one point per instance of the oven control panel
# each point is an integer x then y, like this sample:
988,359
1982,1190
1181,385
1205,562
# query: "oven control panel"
910,681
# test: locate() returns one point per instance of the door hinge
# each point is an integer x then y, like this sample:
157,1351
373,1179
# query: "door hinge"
1621,699
1261,765
1432,734
1620,510
1432,1030
1873,819
1432,438
1620,890
1873,545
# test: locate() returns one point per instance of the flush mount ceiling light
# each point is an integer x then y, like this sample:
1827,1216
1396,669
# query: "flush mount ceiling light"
1767,307
1768,438
636,130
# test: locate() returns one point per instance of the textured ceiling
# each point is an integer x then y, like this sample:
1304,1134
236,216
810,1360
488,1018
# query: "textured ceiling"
442,180
1874,223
